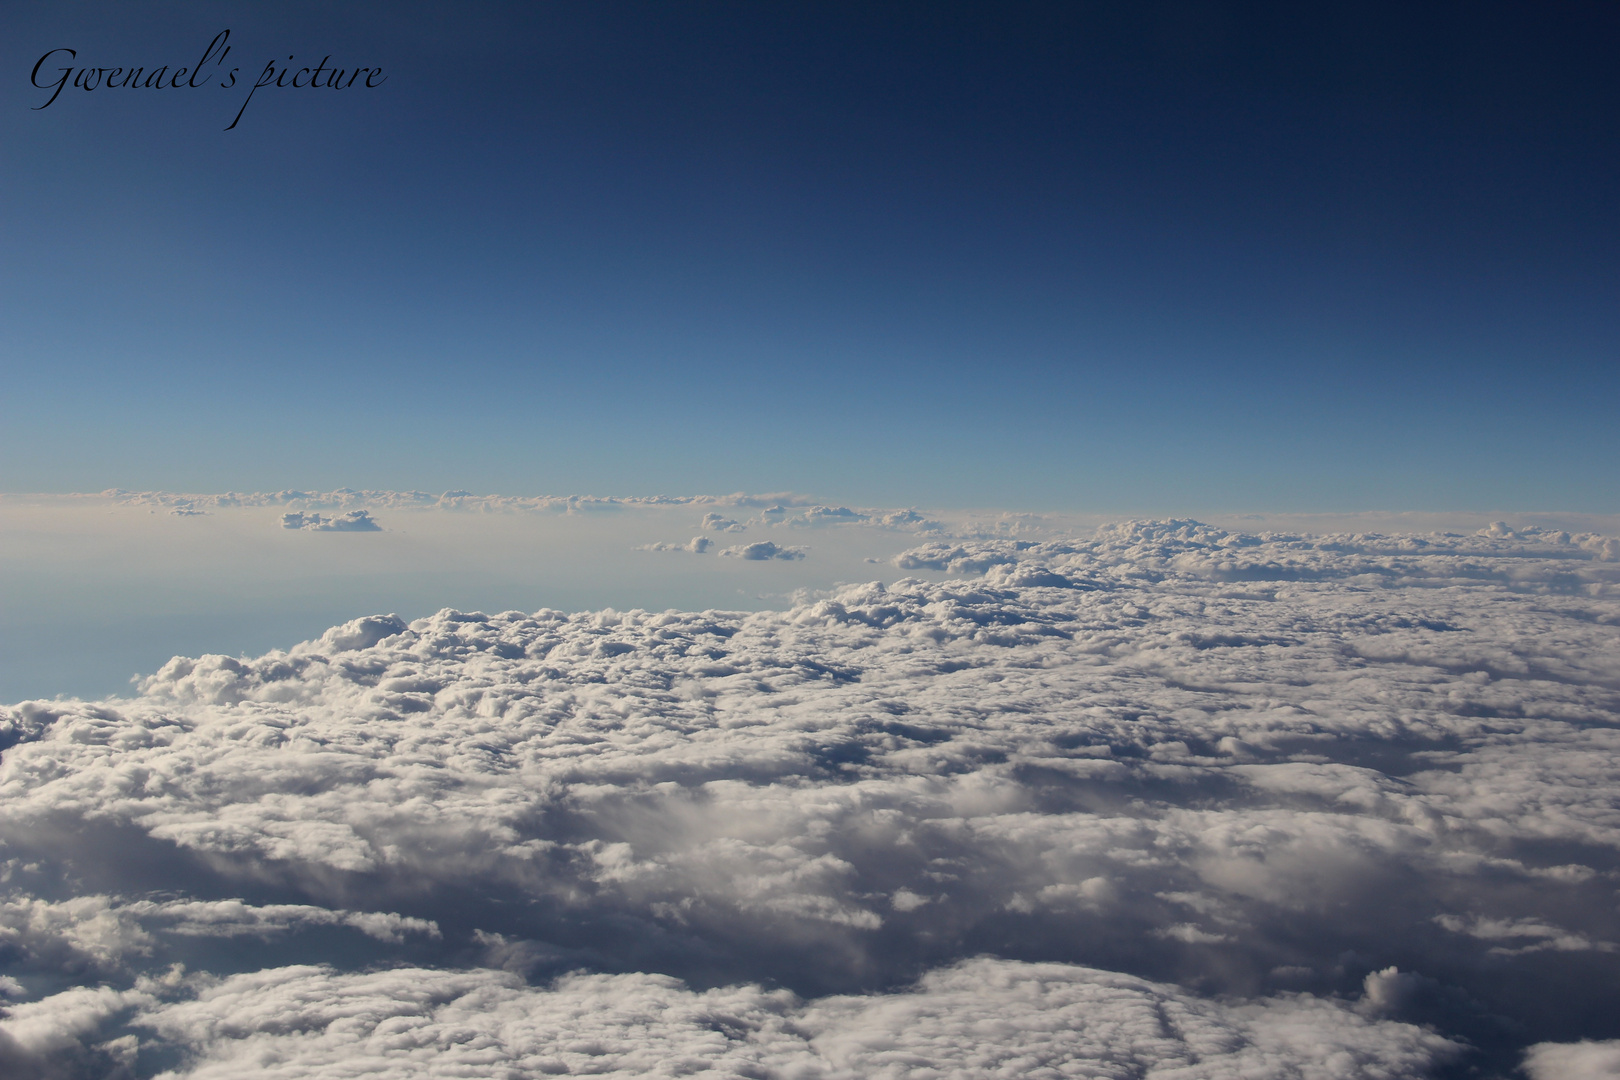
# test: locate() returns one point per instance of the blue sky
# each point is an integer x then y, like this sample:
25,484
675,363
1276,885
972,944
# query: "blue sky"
1188,258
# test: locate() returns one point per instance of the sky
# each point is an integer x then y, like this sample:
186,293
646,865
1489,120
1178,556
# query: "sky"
1170,259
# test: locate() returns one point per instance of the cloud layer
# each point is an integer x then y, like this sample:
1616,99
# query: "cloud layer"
1347,785
352,521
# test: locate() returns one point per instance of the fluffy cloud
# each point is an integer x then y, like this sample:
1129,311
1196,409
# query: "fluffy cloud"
773,517
1573,1061
713,522
989,1018
57,1037
1352,783
696,546
353,521
763,550
1536,558
105,933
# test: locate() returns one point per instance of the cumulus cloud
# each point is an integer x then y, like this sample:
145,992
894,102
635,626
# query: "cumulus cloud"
1197,800
353,521
1529,557
1586,1060
1522,935
696,546
716,523
763,550
56,1037
980,1017
105,932
827,515
908,519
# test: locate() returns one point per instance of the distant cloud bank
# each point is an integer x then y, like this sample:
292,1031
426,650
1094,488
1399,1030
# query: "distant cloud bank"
353,499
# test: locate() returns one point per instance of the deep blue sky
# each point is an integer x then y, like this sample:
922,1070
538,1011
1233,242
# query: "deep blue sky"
1130,257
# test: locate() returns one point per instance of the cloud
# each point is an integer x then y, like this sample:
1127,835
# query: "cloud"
696,546
956,558
713,522
830,515
906,520
1585,1060
980,1017
459,501
99,932
1522,935
1296,794
763,550
909,520
773,509
47,1039
353,521
1528,557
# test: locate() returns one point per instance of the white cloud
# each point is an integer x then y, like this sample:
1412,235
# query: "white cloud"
99,932
1522,935
713,522
1586,1060
696,546
980,1017
764,550
352,521
1377,768
48,1038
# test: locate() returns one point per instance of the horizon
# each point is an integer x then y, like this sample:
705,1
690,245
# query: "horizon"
98,590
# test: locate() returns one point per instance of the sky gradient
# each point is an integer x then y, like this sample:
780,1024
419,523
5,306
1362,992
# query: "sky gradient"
1190,258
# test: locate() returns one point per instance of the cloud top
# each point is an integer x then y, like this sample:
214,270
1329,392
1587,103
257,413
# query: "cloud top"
764,550
352,521
1165,797
977,1018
